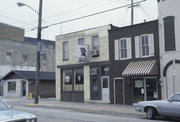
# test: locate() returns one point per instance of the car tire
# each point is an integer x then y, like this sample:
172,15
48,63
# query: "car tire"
151,113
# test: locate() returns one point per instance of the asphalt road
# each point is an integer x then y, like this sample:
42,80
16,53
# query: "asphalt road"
61,115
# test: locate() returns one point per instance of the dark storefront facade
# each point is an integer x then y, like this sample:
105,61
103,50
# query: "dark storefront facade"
72,84
134,59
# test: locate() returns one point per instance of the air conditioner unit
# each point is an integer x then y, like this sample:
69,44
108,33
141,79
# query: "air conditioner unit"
95,53
82,59
94,71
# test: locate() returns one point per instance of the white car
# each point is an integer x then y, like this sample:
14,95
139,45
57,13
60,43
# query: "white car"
167,108
7,114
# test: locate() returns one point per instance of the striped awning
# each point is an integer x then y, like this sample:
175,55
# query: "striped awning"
138,68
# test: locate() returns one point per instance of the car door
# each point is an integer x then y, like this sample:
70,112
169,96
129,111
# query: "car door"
171,107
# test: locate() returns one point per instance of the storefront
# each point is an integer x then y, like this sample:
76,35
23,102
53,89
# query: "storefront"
143,79
73,85
144,88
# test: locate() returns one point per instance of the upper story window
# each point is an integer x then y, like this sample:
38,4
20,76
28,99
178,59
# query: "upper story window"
65,50
44,59
144,45
169,34
25,58
95,42
9,56
123,48
81,41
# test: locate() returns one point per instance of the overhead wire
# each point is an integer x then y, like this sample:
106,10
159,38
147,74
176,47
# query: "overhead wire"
91,14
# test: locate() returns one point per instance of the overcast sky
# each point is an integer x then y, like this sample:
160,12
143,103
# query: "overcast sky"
55,11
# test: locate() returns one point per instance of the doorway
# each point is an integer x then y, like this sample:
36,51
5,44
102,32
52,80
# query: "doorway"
145,88
23,88
105,88
119,91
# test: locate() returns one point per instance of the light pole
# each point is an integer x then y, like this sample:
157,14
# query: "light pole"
36,101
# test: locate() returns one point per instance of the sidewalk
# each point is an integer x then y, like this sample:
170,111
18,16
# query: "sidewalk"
100,108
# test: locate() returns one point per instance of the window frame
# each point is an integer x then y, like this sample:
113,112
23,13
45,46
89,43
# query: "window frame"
65,51
81,41
146,46
123,49
10,89
95,46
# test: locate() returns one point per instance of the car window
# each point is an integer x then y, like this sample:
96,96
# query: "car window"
175,98
3,106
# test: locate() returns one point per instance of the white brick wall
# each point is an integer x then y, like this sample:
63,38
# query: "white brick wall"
169,8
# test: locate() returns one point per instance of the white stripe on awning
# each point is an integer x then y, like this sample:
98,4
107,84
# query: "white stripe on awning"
140,68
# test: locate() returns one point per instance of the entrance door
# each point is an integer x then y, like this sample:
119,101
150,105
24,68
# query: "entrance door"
151,89
119,91
105,88
23,88
138,90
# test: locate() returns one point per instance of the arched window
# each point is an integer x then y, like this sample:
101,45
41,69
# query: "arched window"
169,33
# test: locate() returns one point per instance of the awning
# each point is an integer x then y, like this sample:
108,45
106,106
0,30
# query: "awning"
138,68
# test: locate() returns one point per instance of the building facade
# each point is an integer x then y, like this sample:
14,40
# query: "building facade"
19,84
134,63
82,60
169,28
19,53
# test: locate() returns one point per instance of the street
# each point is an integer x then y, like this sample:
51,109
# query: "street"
61,115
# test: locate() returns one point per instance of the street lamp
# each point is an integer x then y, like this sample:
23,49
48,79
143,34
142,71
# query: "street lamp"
36,101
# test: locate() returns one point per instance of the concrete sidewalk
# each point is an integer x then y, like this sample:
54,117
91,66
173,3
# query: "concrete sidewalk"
101,108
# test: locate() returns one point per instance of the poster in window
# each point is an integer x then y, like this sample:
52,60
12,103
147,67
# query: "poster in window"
83,53
67,79
79,79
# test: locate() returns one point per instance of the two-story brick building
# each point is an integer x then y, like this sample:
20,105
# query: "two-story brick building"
134,63
82,60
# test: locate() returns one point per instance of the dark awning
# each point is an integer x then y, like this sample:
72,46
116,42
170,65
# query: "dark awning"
138,68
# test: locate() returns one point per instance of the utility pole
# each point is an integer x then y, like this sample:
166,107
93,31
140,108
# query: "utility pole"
134,4
174,77
38,52
132,12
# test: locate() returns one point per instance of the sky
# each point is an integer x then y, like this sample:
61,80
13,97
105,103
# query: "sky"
56,11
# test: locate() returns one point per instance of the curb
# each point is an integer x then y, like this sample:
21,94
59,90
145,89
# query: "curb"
87,110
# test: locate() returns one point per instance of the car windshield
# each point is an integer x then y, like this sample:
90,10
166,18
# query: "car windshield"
175,98
3,106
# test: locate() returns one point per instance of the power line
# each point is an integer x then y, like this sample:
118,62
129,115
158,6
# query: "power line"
92,14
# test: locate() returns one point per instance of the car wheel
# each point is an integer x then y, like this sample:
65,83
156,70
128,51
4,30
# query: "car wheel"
150,113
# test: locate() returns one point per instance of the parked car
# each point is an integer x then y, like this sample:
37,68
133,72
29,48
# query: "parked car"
167,108
7,114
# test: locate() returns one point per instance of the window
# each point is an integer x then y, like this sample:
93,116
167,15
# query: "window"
44,59
65,51
144,46
95,42
81,41
73,80
169,33
25,58
123,48
79,80
9,56
79,77
175,98
12,86
67,80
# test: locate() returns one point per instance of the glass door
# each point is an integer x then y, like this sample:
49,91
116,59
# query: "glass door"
105,88
151,89
138,89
